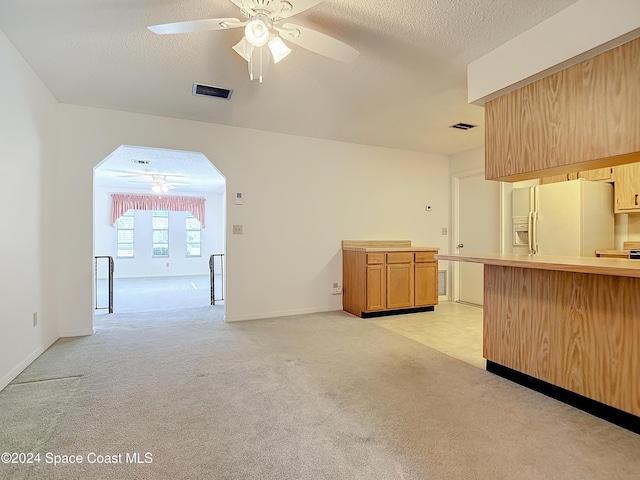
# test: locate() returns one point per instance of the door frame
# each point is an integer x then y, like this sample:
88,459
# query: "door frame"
454,267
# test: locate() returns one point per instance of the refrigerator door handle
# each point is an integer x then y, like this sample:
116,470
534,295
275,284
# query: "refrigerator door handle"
530,232
534,223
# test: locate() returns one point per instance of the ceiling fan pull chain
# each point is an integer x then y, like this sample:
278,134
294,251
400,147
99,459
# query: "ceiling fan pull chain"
261,66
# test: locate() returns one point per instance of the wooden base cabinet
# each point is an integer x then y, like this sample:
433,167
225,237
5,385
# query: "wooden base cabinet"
379,282
375,287
426,283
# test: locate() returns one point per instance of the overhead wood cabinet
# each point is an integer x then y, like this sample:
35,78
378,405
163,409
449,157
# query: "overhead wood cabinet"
387,277
627,188
581,118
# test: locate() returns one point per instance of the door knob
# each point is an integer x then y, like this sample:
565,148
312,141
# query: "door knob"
460,245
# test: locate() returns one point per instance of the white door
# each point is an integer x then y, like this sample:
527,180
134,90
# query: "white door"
478,231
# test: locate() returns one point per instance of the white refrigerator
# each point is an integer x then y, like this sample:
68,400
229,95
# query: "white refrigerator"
573,218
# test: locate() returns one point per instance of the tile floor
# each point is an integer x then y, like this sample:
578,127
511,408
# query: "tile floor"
453,328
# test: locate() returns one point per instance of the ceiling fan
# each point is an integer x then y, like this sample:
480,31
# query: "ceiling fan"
158,181
263,26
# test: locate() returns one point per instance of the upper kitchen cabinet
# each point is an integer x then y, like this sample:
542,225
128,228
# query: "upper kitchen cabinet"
598,174
584,117
627,188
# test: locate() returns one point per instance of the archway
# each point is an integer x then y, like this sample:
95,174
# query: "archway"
162,244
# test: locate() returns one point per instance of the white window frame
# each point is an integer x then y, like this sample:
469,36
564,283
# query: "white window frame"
159,214
120,227
188,229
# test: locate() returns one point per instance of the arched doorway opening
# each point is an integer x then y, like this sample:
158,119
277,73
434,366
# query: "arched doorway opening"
159,215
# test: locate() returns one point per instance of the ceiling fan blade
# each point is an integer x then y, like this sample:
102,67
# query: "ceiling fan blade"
205,25
318,42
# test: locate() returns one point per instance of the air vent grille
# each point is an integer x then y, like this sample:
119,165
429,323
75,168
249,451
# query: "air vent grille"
210,91
141,162
442,282
463,126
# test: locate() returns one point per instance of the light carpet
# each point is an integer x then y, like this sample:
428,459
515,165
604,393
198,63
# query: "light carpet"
319,396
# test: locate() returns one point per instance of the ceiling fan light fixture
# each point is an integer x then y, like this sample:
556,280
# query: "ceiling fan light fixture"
244,49
159,188
257,32
278,48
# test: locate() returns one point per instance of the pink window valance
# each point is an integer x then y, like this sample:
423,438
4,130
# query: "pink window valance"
120,203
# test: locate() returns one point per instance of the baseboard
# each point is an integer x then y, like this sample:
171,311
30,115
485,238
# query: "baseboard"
282,313
17,370
400,311
606,412
76,333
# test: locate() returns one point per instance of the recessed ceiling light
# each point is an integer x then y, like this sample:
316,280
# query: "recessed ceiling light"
463,126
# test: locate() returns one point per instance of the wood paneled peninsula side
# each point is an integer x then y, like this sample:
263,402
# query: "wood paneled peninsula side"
566,326
387,277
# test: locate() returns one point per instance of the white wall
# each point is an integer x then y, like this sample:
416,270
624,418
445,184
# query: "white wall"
143,264
27,156
469,160
302,197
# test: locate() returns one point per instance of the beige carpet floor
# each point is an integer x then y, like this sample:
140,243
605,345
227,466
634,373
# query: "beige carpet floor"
320,396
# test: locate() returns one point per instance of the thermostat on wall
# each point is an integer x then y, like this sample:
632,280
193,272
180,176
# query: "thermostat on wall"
239,198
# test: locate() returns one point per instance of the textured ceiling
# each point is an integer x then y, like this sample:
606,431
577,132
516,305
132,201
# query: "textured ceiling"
189,171
404,90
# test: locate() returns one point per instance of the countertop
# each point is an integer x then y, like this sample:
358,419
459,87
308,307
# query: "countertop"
392,249
619,267
618,253
384,246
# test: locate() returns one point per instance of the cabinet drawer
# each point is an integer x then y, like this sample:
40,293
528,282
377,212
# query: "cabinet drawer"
400,257
422,257
375,258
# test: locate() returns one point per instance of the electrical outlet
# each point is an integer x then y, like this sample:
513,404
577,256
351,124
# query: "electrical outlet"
445,231
336,289
237,229
35,319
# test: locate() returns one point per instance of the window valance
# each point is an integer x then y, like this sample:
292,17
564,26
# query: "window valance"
120,203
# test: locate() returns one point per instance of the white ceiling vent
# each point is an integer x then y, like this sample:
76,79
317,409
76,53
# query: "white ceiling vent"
210,91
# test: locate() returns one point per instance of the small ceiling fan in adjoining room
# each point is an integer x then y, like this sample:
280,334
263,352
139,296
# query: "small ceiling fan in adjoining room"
263,27
158,181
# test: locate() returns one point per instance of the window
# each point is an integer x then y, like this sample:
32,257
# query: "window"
160,226
125,227
193,236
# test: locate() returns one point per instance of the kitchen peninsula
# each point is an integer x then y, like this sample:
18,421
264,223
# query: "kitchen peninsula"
566,326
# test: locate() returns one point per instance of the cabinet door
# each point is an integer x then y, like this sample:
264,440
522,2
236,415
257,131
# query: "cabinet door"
583,113
597,174
375,287
559,178
399,285
426,284
627,187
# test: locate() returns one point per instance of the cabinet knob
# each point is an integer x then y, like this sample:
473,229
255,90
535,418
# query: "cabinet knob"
460,245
